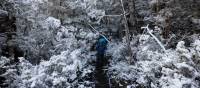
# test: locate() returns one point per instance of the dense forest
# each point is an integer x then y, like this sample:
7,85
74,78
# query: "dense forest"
99,44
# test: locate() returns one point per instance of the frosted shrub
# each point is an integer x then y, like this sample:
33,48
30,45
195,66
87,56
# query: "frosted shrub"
52,22
65,69
61,70
173,69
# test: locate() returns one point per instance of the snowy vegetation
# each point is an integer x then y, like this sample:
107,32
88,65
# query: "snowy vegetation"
153,69
51,43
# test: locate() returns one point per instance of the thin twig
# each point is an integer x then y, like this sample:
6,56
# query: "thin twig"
115,15
184,36
169,40
99,32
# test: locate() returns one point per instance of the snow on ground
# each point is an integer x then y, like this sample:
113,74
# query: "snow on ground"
174,69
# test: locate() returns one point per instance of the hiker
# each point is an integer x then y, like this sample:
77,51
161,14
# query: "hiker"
101,47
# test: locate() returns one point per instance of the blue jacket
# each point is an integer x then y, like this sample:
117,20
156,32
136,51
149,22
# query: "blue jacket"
101,45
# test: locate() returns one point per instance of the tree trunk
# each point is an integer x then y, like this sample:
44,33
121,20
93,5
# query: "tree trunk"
167,28
127,32
157,6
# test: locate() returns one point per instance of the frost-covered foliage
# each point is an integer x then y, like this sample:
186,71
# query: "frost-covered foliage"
56,40
70,68
83,11
62,53
178,19
37,23
174,69
34,29
8,73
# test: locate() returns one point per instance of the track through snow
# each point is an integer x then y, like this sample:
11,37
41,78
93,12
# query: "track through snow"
101,79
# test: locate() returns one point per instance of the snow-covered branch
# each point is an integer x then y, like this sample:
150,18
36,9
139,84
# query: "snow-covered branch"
157,40
115,15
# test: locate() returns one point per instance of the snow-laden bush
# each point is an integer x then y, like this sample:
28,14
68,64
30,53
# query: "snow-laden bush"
84,11
36,28
3,61
173,69
8,73
60,70
69,68
66,49
51,22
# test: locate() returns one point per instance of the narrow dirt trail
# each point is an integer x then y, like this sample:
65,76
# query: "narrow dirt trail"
100,73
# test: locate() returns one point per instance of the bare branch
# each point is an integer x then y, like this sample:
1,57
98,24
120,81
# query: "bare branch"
114,15
99,32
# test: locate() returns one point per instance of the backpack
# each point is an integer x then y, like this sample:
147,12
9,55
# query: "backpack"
101,45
